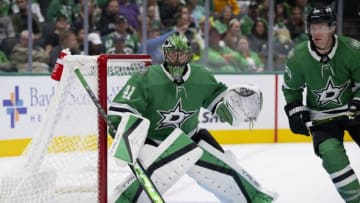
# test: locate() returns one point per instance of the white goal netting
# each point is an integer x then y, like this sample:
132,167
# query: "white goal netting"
62,163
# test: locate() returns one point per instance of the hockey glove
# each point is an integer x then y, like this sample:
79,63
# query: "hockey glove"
354,108
298,115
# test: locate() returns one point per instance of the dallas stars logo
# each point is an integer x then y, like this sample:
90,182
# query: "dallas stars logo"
331,93
174,117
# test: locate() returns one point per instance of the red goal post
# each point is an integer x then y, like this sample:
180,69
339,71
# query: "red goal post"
103,61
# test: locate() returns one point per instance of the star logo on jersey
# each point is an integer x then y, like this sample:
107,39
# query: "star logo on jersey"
331,93
174,117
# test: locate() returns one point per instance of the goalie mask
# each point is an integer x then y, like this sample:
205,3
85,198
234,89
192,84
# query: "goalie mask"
177,53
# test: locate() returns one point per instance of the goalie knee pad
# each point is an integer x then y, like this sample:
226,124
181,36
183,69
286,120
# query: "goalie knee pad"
220,174
164,164
336,163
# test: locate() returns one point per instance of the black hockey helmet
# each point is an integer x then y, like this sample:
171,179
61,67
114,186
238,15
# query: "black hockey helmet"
320,15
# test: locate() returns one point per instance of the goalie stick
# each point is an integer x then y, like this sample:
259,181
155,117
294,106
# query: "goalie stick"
136,168
337,117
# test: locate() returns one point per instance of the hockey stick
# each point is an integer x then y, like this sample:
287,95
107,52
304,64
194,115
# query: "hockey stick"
337,117
136,168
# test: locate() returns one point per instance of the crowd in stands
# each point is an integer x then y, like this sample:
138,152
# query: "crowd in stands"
238,33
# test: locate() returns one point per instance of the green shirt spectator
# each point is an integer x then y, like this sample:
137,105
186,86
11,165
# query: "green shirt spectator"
61,7
4,7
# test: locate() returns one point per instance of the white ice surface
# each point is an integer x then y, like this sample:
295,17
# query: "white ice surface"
291,170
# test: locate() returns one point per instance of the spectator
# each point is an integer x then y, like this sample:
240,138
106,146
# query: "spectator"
258,37
19,56
304,5
185,11
95,44
296,25
131,12
93,18
197,10
218,59
281,46
248,59
282,42
153,15
52,40
122,30
4,8
119,45
168,10
5,63
35,8
281,14
108,17
221,23
61,7
67,39
233,34
153,10
247,21
19,20
219,6
263,6
6,26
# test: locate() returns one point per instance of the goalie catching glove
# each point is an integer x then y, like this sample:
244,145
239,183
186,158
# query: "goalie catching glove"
241,103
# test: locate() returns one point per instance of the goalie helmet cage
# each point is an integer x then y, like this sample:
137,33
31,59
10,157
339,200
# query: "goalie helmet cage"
66,161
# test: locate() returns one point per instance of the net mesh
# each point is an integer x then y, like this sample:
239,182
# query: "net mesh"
61,162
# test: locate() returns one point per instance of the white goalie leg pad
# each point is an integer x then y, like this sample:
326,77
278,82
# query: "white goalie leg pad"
166,164
129,139
244,102
221,177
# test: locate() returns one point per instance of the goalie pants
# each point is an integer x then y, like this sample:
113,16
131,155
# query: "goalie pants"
328,145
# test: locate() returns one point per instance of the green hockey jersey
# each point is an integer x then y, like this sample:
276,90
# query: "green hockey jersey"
166,104
331,81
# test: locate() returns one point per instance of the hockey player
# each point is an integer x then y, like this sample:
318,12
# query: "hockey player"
328,66
170,96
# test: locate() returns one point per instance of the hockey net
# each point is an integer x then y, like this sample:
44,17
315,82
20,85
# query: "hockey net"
66,161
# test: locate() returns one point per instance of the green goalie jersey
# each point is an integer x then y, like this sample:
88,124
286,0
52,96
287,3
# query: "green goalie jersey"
331,81
167,105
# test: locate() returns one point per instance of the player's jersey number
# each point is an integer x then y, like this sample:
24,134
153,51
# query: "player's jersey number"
128,91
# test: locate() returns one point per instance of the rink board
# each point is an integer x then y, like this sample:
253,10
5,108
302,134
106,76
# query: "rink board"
17,146
25,98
